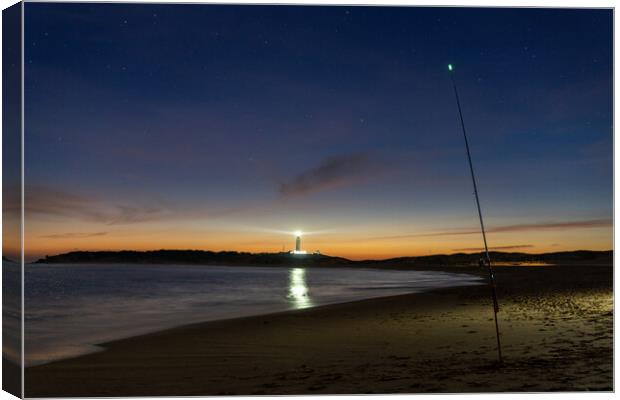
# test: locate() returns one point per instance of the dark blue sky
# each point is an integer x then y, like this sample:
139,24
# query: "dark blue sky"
221,126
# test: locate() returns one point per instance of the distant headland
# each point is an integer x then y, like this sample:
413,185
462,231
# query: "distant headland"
232,258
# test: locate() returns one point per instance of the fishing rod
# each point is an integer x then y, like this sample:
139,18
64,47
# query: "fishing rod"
484,236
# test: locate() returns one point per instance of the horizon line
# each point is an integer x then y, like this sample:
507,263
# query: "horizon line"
493,250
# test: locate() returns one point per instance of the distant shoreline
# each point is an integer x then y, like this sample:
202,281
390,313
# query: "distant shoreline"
233,258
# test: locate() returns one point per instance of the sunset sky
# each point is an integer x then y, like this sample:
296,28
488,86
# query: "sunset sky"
229,127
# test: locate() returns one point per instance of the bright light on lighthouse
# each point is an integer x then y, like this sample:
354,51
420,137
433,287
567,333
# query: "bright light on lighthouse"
298,249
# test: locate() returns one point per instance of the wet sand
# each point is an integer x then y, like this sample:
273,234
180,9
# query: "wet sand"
556,324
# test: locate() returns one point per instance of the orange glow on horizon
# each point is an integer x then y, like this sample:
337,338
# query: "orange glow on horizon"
351,246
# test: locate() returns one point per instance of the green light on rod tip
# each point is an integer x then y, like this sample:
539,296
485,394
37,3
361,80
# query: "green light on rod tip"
449,67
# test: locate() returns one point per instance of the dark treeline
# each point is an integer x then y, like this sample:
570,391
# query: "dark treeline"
201,257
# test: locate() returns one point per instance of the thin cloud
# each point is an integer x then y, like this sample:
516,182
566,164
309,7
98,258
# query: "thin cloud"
592,223
74,235
130,215
41,200
331,172
546,226
516,246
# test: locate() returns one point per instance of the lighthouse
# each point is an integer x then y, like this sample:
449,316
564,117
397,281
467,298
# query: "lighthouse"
298,249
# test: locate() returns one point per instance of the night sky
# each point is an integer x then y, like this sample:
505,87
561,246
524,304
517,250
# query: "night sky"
228,127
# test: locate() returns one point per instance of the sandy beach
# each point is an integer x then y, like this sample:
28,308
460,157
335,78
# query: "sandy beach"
556,324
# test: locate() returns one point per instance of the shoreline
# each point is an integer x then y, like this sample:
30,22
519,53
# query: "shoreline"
331,307
288,259
436,341
99,346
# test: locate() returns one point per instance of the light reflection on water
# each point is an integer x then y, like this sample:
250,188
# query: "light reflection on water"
72,307
298,291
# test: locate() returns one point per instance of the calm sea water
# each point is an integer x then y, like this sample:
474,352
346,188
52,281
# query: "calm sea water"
71,308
